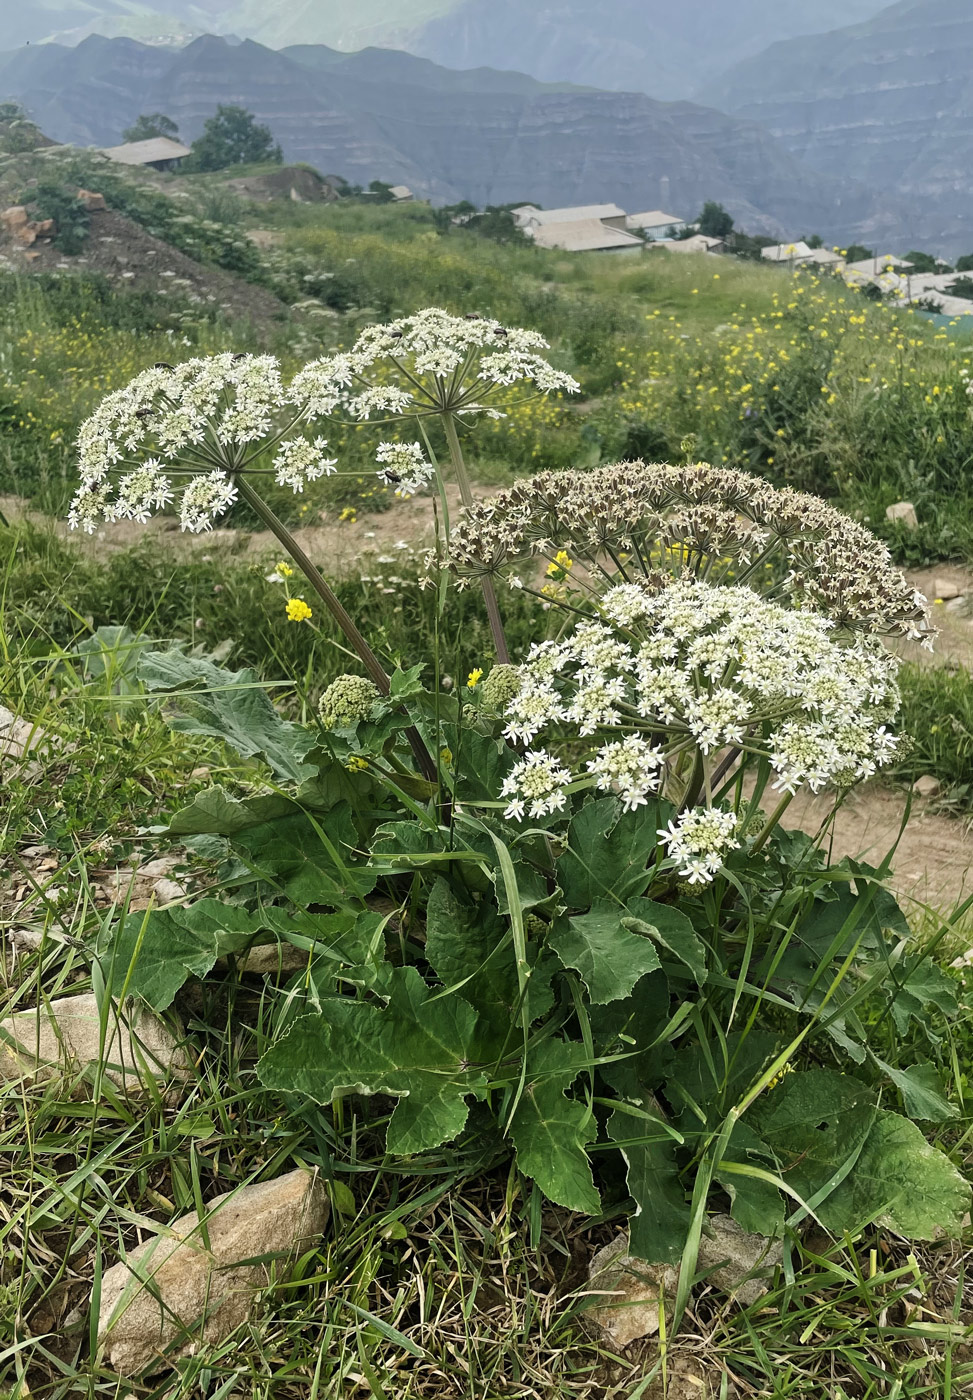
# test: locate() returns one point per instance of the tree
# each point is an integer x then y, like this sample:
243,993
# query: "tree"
814,240
233,137
857,252
925,262
149,125
714,221
965,263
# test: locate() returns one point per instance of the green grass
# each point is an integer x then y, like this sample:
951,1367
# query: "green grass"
427,1283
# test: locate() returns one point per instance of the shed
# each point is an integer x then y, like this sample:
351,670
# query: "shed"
159,152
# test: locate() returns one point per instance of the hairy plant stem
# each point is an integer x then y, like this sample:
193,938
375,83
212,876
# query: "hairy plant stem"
337,610
466,496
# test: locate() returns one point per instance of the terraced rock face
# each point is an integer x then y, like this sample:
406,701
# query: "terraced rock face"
886,102
483,135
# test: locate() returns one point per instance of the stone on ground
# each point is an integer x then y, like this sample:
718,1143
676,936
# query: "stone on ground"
904,511
188,1285
635,1291
927,786
65,1035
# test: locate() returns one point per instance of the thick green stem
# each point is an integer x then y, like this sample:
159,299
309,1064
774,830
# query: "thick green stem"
466,496
772,821
337,610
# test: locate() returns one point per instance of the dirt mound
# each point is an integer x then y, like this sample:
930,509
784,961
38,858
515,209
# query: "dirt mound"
297,182
124,252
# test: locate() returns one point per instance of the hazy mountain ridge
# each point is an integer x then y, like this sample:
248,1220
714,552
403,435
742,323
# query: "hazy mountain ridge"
653,46
888,102
483,135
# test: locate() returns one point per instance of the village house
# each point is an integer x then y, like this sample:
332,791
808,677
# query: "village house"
587,236
159,152
655,225
697,243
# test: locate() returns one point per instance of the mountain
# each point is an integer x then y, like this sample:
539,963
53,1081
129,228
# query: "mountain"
889,102
482,134
655,46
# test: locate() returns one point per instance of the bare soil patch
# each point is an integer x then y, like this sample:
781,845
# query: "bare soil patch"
125,253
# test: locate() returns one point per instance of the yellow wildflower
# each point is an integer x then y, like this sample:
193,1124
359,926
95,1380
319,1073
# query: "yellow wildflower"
298,610
474,678
562,563
284,569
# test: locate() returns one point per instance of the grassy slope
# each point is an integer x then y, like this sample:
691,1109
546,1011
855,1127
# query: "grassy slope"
499,1309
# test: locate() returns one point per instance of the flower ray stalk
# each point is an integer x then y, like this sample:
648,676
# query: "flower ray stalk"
466,496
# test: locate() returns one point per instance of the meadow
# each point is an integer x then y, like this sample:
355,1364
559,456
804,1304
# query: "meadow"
451,1270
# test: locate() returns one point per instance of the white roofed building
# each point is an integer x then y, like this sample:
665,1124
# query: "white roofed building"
530,219
586,236
655,224
160,152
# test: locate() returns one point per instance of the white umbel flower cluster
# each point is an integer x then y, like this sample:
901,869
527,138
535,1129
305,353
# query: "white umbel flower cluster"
299,461
199,414
426,364
536,786
404,466
689,667
699,842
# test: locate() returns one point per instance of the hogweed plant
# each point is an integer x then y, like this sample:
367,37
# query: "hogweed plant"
589,946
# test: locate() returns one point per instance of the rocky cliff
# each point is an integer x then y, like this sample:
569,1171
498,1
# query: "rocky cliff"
889,103
655,46
482,135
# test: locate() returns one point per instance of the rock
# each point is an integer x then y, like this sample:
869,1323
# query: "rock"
927,786
92,201
271,958
730,1256
943,588
904,511
14,217
26,234
18,737
65,1035
181,1282
957,604
44,228
168,891
160,867
634,1293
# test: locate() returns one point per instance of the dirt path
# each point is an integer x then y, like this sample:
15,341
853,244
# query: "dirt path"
934,861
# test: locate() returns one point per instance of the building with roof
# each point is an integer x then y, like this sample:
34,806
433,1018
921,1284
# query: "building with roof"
796,252
697,243
586,236
159,152
655,224
529,218
401,194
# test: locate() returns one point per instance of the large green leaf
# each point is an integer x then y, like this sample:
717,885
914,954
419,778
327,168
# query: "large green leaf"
900,1181
755,1204
816,1122
472,950
625,1033
672,930
313,858
215,812
230,705
659,1225
918,986
609,851
154,953
551,1132
922,1091
608,956
422,1048
480,764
